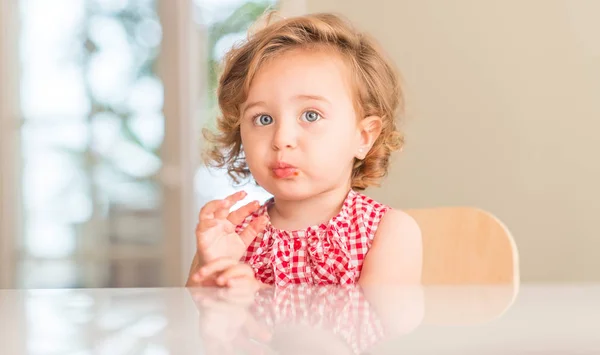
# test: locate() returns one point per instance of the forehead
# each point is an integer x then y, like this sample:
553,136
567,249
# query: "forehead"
315,71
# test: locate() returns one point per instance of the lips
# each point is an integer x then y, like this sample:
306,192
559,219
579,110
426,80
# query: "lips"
283,170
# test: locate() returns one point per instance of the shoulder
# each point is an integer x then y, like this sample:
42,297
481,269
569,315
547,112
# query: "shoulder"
397,224
399,232
397,251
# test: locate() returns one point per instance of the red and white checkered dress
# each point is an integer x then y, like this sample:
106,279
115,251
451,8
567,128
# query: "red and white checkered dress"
330,253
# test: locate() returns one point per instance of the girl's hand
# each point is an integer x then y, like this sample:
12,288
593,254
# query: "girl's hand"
227,272
215,232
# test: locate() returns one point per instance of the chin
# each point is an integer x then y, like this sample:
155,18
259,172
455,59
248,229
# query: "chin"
288,189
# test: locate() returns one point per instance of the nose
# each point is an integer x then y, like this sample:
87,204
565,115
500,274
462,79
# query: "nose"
285,135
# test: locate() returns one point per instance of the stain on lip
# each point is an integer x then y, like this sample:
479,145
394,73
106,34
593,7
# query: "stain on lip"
285,172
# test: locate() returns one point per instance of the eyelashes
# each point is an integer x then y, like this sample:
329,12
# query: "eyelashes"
311,116
263,119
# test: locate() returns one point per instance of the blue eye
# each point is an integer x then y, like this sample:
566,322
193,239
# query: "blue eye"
263,120
311,116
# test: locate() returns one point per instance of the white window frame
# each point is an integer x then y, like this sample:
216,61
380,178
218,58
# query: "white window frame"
9,119
178,68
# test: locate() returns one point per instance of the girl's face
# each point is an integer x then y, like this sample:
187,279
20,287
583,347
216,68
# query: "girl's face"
299,128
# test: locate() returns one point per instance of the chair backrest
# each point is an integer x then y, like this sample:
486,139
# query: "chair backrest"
464,245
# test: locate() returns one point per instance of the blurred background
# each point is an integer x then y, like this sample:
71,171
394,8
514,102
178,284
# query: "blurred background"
102,102
102,106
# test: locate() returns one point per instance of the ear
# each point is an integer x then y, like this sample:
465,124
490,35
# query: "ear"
369,130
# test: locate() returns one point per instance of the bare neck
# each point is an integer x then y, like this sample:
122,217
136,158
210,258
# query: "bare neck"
300,214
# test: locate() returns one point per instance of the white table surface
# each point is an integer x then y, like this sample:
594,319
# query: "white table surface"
530,319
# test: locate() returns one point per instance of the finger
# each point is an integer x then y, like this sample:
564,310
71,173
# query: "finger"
200,293
232,200
246,283
237,296
229,201
237,217
236,197
223,212
251,231
216,266
235,271
208,211
212,206
206,224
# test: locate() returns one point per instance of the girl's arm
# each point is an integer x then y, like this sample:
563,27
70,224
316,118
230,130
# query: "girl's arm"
396,255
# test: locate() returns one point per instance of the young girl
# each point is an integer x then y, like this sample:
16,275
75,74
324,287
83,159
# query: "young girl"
308,110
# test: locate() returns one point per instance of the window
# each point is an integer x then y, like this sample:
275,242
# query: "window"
91,159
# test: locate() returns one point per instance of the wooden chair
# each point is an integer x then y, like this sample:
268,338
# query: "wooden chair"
464,245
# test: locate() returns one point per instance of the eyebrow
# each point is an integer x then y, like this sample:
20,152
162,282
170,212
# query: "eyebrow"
250,105
312,97
245,108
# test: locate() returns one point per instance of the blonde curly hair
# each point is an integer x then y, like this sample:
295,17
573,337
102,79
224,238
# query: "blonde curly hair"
377,88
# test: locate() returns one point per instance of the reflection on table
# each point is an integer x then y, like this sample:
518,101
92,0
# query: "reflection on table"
302,320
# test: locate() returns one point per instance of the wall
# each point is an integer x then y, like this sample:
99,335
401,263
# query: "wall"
503,113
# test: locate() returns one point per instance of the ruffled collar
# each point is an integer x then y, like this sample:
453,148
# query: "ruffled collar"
337,221
326,250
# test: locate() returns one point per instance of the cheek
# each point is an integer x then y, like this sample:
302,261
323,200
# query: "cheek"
333,151
247,136
253,143
338,140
